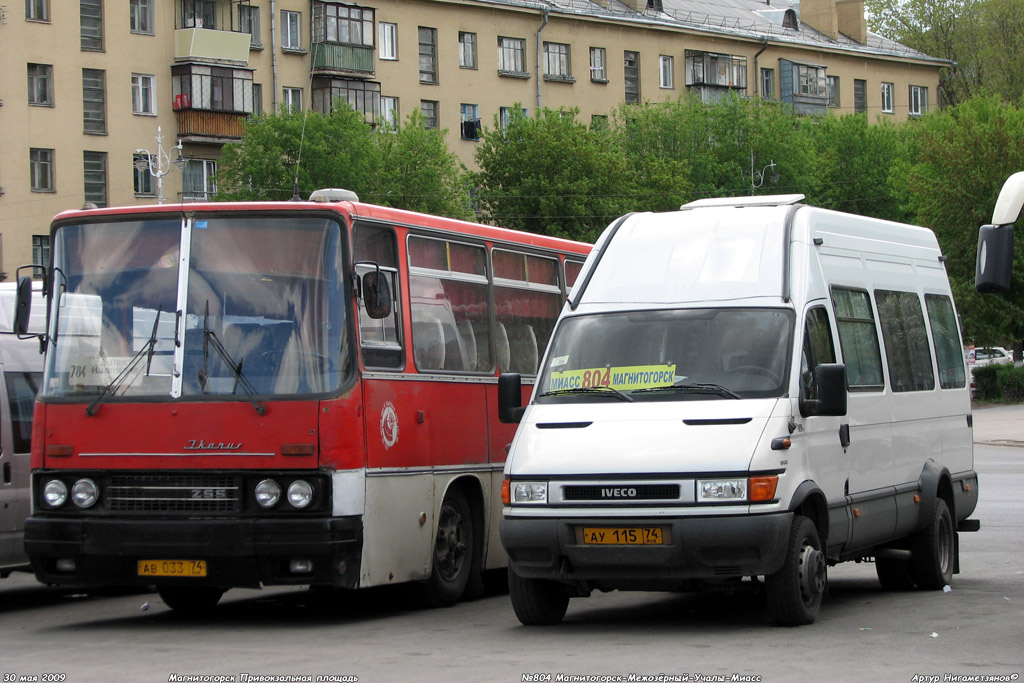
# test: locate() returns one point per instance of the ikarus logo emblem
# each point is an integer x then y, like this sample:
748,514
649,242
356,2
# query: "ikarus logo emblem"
388,425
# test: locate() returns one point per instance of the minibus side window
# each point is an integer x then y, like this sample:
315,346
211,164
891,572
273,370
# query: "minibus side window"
380,340
906,341
818,348
947,341
858,339
21,395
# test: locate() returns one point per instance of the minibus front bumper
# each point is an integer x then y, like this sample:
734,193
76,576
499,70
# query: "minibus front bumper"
239,552
691,548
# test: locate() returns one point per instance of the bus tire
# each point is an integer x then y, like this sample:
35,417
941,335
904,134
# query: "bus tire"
894,574
933,550
537,602
796,590
452,560
194,600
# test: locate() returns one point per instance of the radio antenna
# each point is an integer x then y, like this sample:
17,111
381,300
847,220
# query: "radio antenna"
302,139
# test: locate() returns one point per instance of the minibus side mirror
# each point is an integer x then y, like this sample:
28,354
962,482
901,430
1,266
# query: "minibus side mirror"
376,295
510,398
830,380
995,258
23,305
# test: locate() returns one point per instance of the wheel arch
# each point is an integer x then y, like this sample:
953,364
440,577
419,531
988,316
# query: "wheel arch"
473,490
809,500
935,482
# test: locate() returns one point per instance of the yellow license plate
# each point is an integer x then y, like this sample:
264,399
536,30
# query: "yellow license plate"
643,535
184,568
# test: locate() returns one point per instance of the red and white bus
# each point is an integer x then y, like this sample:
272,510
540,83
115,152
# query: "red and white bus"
267,393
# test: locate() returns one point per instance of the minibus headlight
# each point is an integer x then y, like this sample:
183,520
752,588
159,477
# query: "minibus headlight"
535,492
85,493
55,493
268,492
721,490
300,493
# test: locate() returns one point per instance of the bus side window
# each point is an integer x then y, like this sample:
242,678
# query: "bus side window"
380,340
527,300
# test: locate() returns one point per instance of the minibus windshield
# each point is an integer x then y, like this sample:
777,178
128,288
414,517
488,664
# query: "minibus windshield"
669,355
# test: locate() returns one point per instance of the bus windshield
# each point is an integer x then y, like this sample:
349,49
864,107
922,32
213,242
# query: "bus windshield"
205,306
669,355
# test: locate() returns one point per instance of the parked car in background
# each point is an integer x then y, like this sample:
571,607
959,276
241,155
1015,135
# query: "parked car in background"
996,355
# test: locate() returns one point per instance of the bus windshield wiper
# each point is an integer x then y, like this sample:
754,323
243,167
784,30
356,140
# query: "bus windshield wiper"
599,390
210,339
115,383
706,388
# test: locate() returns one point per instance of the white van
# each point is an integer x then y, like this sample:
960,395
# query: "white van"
21,372
744,388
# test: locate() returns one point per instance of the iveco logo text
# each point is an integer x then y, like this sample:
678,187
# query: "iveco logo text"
201,445
618,492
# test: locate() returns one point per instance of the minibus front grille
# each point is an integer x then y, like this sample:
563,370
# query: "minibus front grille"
182,493
619,493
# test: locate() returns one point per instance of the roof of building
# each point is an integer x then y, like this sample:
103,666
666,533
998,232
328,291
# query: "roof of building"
746,19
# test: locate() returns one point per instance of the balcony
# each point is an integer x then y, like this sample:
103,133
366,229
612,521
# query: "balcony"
335,58
200,125
211,45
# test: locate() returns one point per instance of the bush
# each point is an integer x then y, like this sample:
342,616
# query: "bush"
986,383
1011,382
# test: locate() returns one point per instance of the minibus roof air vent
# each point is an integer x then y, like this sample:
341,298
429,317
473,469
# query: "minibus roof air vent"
760,200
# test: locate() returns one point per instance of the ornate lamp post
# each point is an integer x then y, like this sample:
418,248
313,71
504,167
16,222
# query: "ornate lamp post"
159,164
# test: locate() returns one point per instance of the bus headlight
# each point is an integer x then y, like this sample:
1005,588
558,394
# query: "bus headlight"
721,490
529,492
300,494
268,492
85,493
55,493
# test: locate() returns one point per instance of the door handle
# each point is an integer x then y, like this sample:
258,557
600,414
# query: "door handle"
844,435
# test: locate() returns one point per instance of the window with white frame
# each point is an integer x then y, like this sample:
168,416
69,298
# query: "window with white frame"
467,50
768,84
249,22
918,100
197,180
428,54
41,169
40,84
471,127
666,77
389,112
143,179
887,98
512,56
811,80
598,65
343,24
557,65
832,90
291,30
143,94
387,40
40,251
291,99
37,10
505,115
140,16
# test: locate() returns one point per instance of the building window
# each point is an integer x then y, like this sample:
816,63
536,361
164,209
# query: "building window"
212,88
631,75
832,90
918,100
41,169
40,252
557,65
428,55
199,14
887,98
598,65
140,16
197,180
471,122
143,179
94,110
389,112
768,84
37,10
467,50
249,22
343,24
91,15
291,99
512,56
860,96
291,30
717,70
429,109
388,41
811,80
143,94
362,96
666,77
40,84
257,99
95,166
505,115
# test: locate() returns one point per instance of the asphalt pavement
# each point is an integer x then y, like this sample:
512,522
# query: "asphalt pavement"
999,425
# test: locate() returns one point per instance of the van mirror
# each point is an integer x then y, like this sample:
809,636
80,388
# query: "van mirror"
376,295
995,258
510,398
23,305
830,380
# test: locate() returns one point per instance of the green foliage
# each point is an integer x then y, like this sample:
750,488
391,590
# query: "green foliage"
1011,383
986,383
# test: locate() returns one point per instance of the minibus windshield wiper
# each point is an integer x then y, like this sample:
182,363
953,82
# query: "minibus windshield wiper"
693,389
210,339
146,349
594,391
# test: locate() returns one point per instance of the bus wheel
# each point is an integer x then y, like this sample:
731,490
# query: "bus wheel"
894,574
933,550
453,551
195,600
537,602
795,591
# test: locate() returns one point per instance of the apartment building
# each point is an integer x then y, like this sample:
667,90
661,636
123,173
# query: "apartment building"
120,102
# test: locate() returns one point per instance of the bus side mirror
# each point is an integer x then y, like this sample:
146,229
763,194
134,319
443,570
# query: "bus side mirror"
23,305
995,258
830,380
376,295
510,398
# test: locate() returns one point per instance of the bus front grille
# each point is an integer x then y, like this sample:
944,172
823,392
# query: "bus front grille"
184,493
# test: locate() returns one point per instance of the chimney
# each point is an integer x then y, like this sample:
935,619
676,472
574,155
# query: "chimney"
821,16
851,20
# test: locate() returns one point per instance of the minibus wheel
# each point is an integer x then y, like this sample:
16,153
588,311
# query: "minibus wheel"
795,591
537,602
195,600
933,551
453,551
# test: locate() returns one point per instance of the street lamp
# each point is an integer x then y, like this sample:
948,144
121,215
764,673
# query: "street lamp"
757,178
162,165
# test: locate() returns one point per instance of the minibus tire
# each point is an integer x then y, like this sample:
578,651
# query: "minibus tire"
795,591
194,600
452,558
894,574
933,550
537,602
